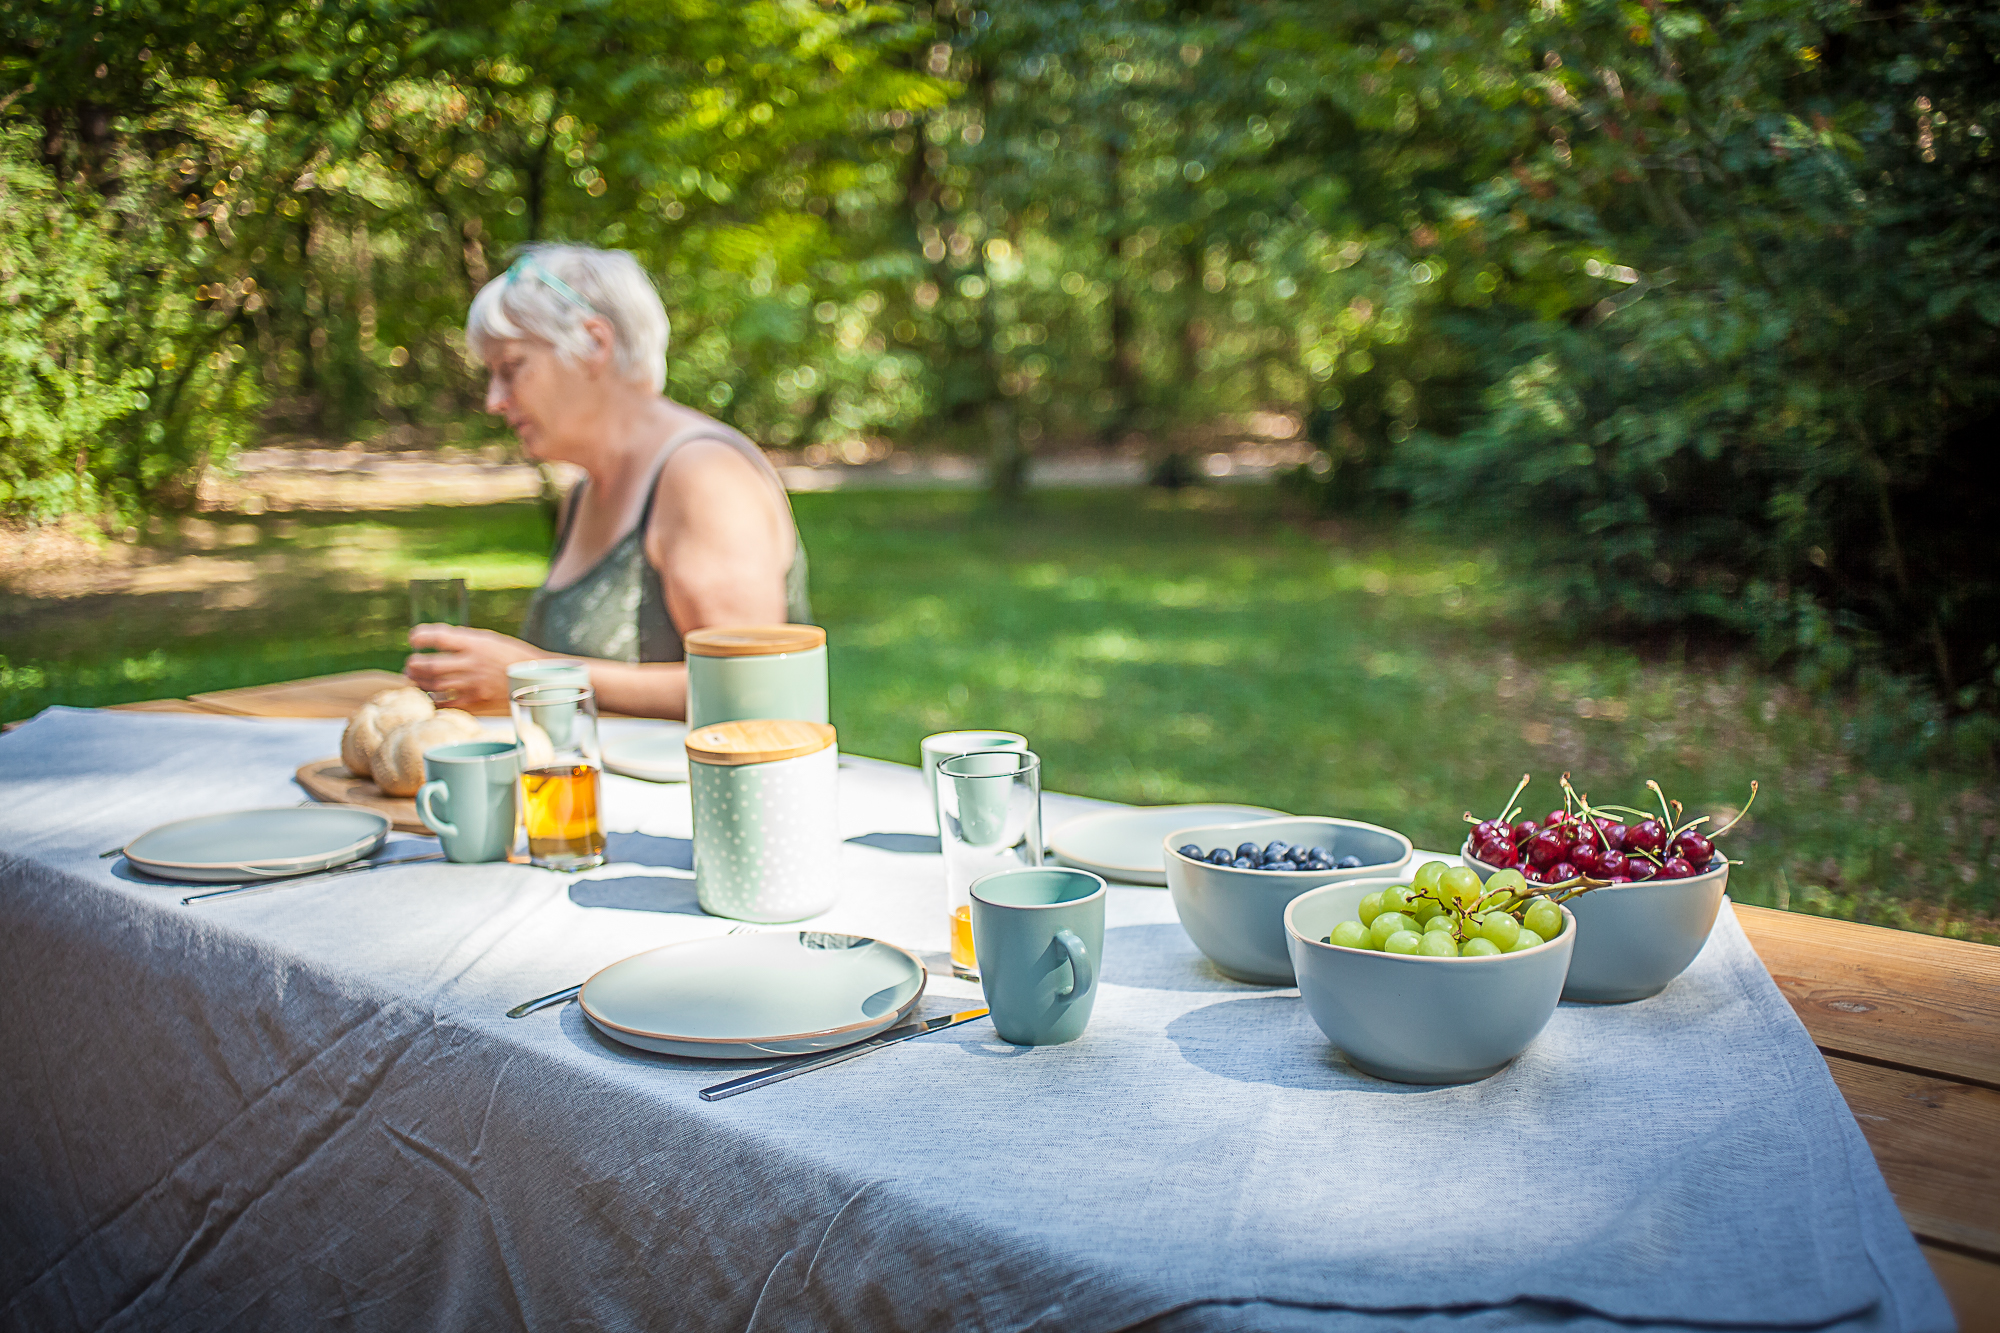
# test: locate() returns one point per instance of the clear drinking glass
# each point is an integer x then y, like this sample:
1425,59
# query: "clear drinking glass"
989,818
561,791
439,602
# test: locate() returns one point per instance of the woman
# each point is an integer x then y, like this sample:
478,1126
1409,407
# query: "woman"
679,523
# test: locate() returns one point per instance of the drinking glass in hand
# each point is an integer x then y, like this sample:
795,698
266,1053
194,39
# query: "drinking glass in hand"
989,818
439,602
556,726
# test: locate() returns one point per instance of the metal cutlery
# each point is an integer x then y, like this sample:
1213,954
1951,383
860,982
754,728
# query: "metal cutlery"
265,886
778,1074
571,992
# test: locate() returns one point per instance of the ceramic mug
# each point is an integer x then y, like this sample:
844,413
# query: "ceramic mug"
755,671
475,783
1039,933
934,750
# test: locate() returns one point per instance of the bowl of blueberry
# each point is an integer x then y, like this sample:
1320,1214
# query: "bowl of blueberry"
1231,883
1656,880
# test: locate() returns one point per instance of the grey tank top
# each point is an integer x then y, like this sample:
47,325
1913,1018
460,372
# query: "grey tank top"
618,609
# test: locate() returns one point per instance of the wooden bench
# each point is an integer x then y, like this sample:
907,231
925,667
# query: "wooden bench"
1909,1025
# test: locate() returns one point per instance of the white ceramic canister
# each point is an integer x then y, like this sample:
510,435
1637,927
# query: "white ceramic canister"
766,835
752,671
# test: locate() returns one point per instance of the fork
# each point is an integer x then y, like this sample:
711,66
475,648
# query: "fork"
571,992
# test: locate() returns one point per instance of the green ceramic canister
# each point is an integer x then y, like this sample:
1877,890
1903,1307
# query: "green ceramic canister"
766,834
756,671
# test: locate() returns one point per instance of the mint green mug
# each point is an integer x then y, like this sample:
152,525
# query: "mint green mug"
1038,932
468,798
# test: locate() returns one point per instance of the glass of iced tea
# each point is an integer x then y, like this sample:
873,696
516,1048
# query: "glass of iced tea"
989,807
561,792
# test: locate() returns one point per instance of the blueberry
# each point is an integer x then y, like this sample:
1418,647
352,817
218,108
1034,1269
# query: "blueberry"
1244,863
1221,856
1192,852
1318,861
1247,849
1349,863
1298,856
1276,850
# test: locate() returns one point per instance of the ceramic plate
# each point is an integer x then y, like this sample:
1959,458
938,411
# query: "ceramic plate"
750,997
1125,844
258,844
657,754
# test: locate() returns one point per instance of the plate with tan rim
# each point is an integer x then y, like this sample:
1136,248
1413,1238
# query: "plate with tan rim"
258,844
752,997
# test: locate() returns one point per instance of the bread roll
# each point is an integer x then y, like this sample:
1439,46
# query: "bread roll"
399,764
374,720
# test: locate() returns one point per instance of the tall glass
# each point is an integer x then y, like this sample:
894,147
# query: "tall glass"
989,818
439,602
561,791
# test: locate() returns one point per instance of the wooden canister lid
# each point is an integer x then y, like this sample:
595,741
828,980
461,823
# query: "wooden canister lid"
752,640
756,741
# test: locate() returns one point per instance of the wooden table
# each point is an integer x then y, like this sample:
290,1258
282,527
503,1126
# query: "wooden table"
1909,1025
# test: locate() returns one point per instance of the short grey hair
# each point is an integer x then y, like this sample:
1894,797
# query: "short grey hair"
551,289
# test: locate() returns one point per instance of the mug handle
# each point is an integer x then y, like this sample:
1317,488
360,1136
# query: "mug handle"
432,819
1081,975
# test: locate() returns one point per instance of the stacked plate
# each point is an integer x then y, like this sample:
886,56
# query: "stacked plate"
751,997
258,844
1125,844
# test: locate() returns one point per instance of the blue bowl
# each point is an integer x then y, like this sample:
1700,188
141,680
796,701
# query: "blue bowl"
1237,917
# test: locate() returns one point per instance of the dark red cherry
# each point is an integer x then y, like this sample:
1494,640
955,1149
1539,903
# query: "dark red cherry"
1640,870
1611,865
1561,873
1501,853
1698,850
1648,835
1486,830
1585,857
1618,879
1547,847
1525,830
1556,817
1676,867
1614,835
1535,874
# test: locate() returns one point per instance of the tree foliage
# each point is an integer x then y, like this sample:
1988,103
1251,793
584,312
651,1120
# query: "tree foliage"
1698,301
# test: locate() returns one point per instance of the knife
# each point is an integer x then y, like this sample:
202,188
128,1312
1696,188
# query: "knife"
889,1038
266,885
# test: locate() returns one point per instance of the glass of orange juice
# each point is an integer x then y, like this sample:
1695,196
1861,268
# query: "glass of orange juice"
989,807
561,790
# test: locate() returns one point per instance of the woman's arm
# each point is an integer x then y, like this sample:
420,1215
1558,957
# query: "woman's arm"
469,666
721,539
724,543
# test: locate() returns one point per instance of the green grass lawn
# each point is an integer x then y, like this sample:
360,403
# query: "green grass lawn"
1155,648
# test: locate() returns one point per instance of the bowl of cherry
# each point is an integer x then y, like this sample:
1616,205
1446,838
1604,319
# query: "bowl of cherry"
1661,891
1231,883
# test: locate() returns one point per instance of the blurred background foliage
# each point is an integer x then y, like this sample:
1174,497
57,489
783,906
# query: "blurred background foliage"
1692,308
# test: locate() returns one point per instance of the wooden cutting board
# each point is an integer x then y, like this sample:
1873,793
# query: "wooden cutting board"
329,780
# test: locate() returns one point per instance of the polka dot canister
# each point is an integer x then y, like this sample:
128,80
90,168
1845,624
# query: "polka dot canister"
766,834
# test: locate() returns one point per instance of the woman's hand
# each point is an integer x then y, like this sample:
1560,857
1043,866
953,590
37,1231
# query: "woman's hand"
466,668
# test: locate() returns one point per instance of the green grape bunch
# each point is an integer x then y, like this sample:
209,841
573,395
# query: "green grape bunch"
1444,912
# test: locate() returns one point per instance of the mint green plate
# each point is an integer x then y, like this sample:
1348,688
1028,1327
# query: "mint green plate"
1125,844
258,844
750,997
657,753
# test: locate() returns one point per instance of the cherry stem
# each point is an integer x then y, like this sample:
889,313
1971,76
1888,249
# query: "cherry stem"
1654,787
1507,810
1739,814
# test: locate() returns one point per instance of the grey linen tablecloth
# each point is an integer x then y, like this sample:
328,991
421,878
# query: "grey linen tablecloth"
305,1107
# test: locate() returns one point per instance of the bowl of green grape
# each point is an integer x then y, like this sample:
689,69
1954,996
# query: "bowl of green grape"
1433,979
